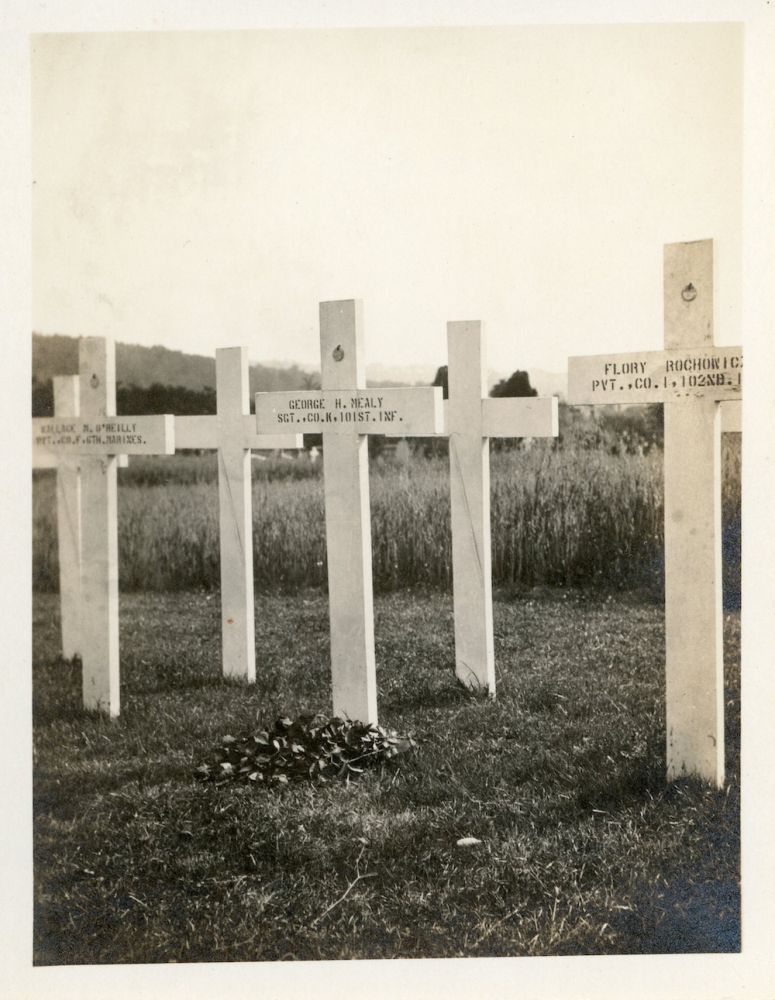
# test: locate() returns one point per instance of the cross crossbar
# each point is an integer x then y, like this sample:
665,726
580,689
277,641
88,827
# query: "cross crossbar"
201,432
397,412
54,437
678,375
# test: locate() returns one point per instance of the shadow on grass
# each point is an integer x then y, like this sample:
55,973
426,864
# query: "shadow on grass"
436,692
68,793
683,917
58,690
57,693
175,682
610,789
695,913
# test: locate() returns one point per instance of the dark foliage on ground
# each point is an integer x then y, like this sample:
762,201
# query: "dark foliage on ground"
582,846
309,748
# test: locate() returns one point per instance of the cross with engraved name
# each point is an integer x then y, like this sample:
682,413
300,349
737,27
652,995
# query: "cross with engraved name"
345,412
471,419
698,383
84,440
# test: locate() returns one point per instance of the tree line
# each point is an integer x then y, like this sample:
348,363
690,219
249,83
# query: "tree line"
135,399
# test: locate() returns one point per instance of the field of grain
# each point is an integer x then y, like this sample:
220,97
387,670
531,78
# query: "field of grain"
560,517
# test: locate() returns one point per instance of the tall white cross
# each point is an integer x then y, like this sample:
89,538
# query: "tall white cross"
68,511
471,419
233,433
691,377
84,445
345,412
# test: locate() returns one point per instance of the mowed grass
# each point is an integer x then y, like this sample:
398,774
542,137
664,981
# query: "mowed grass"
584,848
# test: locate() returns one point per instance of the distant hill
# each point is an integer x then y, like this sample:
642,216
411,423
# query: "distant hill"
55,354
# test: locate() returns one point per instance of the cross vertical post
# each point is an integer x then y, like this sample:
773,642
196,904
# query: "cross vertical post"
348,522
693,612
87,444
68,492
344,411
235,514
472,418
232,433
700,386
469,466
99,544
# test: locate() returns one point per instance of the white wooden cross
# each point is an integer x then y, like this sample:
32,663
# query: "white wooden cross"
345,412
471,418
233,433
691,377
85,444
68,508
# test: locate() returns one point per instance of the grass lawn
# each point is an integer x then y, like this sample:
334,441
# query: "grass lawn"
583,847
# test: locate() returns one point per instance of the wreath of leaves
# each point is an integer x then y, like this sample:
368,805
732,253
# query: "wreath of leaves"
311,748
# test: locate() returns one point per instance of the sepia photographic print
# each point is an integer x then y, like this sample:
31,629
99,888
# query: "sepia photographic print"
390,503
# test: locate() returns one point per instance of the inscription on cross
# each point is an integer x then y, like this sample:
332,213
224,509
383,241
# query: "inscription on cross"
695,380
346,412
89,439
471,418
233,433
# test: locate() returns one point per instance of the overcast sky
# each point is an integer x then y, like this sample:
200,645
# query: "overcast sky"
205,190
